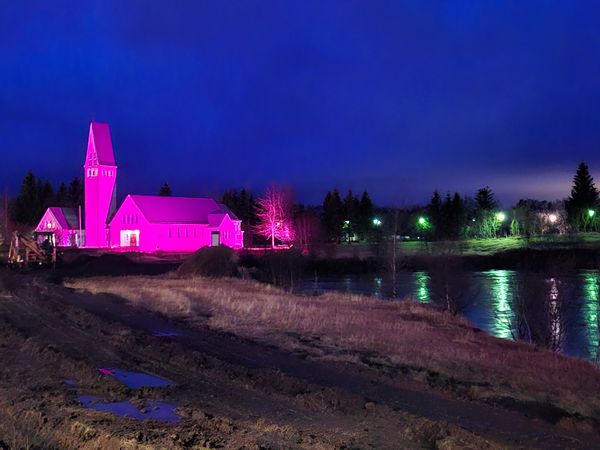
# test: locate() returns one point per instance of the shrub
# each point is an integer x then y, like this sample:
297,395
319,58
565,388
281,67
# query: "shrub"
210,262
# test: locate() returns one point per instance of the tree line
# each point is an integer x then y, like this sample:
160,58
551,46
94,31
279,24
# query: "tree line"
274,216
36,195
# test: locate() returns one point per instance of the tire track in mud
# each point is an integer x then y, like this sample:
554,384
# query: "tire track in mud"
496,423
74,331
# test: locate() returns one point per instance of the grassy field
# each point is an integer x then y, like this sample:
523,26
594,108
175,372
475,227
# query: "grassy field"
406,337
483,247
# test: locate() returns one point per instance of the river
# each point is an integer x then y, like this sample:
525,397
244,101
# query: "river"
558,312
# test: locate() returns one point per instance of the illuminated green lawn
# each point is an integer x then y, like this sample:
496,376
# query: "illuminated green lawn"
497,245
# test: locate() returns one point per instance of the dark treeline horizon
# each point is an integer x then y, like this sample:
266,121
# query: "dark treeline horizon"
354,217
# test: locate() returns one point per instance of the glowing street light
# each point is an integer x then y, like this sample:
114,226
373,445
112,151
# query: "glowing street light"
423,223
591,213
500,216
376,222
552,218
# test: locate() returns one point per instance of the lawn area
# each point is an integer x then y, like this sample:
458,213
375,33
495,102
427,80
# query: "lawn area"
486,247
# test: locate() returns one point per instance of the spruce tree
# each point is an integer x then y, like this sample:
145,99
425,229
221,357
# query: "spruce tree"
62,195
165,190
485,199
434,210
27,200
365,215
75,193
333,215
583,200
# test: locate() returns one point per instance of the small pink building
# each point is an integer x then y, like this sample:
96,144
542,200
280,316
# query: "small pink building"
143,223
61,226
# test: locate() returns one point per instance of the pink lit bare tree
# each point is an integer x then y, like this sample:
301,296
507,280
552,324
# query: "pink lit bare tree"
274,213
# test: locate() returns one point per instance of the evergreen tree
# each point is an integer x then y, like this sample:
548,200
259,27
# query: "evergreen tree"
333,215
485,199
62,195
75,193
46,198
351,213
365,215
434,210
457,216
583,200
27,202
351,207
165,190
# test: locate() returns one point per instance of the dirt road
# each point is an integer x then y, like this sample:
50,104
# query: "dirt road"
228,392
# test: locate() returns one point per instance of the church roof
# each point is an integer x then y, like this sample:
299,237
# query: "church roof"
163,209
100,149
67,218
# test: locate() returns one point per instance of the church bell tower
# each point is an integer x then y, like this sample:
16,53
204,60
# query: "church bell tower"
100,187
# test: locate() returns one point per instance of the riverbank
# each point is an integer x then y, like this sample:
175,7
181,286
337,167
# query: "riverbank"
399,339
580,251
246,365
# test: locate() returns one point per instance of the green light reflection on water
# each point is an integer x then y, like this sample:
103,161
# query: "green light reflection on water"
590,310
501,298
422,286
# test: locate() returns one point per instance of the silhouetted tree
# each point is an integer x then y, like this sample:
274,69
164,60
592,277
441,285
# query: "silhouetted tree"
242,204
434,211
30,202
457,216
333,215
308,229
165,190
365,215
75,193
62,195
486,223
350,214
485,199
583,199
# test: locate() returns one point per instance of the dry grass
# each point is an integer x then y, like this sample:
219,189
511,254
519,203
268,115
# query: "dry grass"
403,333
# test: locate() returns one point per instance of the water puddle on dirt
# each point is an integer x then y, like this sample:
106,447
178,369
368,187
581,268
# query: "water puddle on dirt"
152,410
165,333
136,380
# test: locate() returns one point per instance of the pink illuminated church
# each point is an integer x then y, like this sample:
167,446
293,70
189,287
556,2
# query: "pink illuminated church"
144,223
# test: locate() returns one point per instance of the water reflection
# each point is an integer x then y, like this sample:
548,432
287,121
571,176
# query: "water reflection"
589,310
558,310
501,301
421,287
554,317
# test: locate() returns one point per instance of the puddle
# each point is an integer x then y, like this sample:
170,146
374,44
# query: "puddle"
136,380
165,333
153,410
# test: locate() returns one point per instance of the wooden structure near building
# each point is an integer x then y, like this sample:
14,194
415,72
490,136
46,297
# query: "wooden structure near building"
24,251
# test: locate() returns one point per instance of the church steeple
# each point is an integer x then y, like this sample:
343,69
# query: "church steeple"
100,175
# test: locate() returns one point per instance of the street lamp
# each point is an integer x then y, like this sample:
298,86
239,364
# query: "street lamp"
376,222
500,216
423,223
591,213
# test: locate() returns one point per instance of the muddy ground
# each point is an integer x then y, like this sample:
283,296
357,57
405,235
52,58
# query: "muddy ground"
227,392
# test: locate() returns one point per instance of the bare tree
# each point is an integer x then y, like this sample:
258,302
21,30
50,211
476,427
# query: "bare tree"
274,213
307,230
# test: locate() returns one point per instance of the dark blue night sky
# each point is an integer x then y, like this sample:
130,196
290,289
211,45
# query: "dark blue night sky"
397,97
